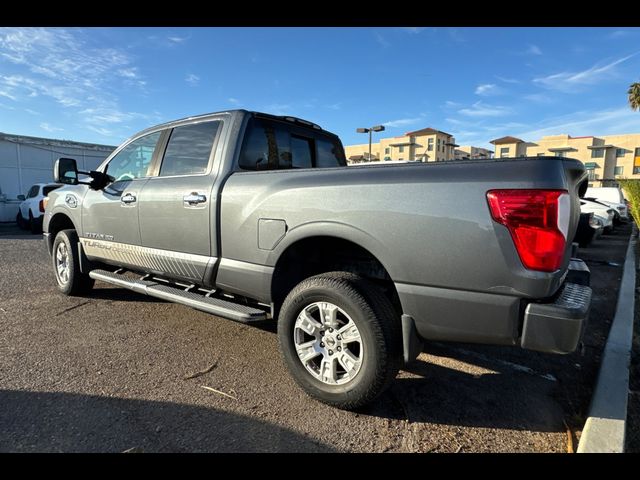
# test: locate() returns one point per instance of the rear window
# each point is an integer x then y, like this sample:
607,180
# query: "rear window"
189,149
278,146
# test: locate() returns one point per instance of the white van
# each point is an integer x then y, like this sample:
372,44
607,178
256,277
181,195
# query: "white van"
612,196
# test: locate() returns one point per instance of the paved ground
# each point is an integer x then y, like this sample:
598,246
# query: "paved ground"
108,373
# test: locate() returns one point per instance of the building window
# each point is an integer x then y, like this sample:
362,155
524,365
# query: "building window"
561,154
618,170
504,152
386,159
540,155
430,147
401,149
387,150
430,140
620,152
597,153
591,173
438,141
400,159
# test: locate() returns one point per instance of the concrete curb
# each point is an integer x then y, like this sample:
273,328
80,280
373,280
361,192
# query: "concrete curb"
604,431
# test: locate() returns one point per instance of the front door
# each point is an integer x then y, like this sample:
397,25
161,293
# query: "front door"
177,206
110,229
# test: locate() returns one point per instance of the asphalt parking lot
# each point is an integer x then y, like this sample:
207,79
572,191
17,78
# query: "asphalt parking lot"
120,371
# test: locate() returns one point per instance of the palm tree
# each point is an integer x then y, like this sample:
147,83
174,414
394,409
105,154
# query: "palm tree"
634,96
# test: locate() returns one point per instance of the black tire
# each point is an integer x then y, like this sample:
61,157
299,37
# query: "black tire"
20,221
78,283
35,224
377,322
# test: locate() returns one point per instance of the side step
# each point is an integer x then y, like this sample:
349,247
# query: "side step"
215,306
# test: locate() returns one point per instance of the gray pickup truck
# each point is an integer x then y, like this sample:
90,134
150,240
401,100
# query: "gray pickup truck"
253,217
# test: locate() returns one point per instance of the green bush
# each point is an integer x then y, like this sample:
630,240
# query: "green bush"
632,193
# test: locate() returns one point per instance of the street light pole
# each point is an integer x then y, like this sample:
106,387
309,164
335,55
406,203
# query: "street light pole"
370,130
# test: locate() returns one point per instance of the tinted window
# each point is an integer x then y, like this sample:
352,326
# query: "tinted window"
301,150
259,150
33,191
270,146
189,149
328,154
133,160
46,190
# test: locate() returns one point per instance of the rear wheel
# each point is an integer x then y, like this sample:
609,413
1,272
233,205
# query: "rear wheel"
20,221
66,265
35,224
340,339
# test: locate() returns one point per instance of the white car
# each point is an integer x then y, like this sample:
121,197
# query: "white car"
32,208
611,196
604,212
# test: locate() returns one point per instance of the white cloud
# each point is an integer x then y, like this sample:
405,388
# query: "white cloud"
6,94
45,126
176,39
587,122
592,122
413,30
616,34
334,106
192,79
488,89
569,81
507,80
538,98
403,122
382,41
533,50
66,66
234,101
278,109
480,109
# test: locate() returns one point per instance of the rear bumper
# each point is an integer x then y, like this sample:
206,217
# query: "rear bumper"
557,327
460,316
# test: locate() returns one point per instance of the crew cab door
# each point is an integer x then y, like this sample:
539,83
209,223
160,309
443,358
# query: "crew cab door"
110,215
178,203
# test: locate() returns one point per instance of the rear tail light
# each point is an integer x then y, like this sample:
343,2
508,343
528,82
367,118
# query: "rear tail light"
538,221
42,205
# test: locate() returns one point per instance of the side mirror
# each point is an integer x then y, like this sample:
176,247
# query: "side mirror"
21,198
65,171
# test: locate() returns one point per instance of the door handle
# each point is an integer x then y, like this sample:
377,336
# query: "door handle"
128,198
194,198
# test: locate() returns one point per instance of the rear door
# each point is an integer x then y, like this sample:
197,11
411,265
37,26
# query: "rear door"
178,205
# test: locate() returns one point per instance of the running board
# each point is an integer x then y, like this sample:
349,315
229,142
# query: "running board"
215,306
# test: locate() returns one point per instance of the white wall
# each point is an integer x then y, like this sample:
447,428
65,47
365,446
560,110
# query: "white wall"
23,164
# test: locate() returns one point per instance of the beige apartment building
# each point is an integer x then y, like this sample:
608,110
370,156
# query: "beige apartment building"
425,145
606,158
469,152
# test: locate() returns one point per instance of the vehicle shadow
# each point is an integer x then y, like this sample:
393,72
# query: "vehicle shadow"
496,398
65,422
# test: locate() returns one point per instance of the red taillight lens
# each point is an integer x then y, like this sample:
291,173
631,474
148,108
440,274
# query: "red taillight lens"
538,221
41,205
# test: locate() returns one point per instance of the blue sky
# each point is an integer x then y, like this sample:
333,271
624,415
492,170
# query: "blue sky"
104,84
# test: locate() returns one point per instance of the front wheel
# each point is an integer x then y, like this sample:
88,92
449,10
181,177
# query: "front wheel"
66,265
340,338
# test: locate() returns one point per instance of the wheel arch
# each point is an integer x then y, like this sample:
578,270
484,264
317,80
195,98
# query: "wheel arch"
59,221
325,247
